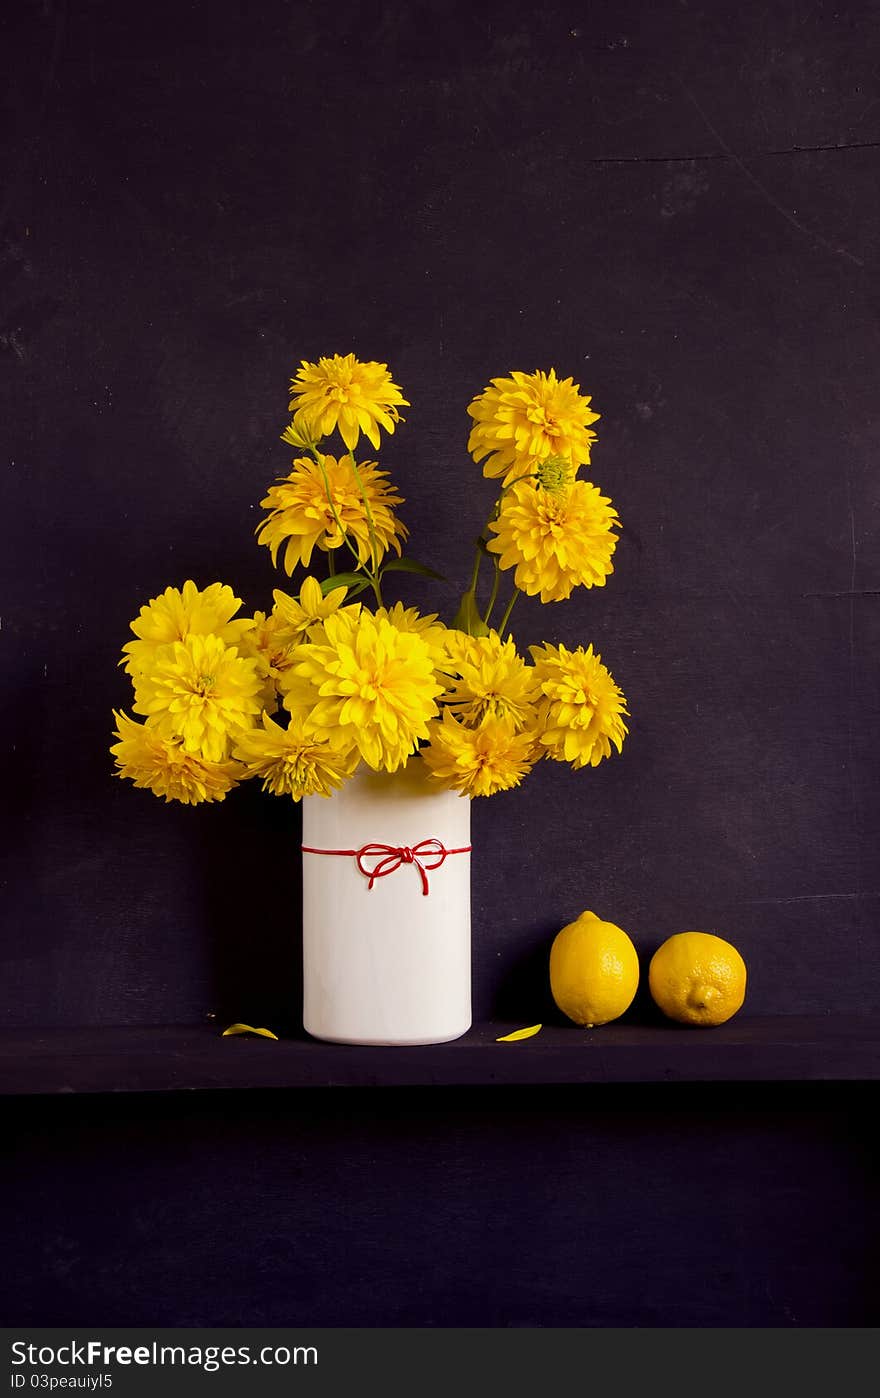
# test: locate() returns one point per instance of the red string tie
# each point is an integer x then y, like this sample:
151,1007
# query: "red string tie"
376,860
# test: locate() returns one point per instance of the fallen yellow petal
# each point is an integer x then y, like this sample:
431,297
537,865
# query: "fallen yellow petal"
248,1029
518,1034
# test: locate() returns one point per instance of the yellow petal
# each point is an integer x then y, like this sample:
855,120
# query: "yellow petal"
310,596
336,592
519,1034
248,1029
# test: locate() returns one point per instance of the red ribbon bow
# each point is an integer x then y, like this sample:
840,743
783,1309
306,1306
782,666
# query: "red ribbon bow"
427,854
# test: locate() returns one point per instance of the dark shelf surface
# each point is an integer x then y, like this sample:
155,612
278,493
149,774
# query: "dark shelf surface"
174,1058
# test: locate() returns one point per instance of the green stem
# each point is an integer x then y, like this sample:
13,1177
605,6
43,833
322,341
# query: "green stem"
472,589
476,573
506,618
374,543
331,564
496,509
529,476
493,595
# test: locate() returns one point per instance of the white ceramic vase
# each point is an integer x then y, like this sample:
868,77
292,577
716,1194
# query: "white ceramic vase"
387,910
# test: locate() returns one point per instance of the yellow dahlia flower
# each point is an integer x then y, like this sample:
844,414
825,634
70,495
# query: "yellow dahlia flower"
491,682
176,614
555,540
346,393
301,517
298,437
522,420
202,692
270,641
478,761
273,638
163,766
312,605
581,709
432,631
366,685
293,761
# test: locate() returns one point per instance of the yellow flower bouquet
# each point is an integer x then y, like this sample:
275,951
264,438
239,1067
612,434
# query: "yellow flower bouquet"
326,682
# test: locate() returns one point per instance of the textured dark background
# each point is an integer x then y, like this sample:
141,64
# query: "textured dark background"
678,205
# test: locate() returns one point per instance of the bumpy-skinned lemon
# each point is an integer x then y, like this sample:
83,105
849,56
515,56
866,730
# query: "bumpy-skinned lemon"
594,970
697,978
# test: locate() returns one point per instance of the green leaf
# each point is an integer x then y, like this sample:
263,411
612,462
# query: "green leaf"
355,582
409,565
519,1034
248,1029
468,619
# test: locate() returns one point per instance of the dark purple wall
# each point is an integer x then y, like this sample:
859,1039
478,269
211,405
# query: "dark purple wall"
677,204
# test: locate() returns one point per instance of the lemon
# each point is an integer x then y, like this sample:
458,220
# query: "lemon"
594,970
697,978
